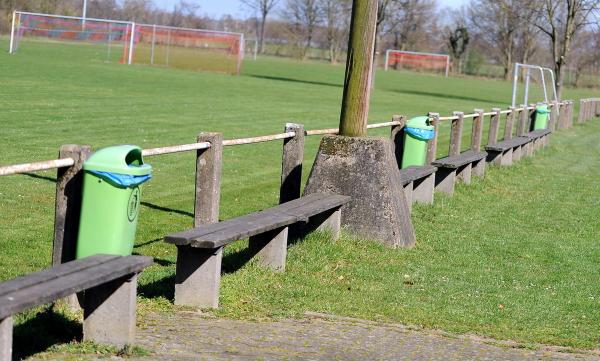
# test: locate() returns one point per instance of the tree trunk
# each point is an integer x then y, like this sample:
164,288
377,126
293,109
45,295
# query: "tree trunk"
359,67
261,41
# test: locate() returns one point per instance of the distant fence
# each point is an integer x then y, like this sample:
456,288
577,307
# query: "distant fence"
208,149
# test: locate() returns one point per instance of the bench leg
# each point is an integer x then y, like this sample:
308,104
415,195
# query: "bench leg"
198,276
408,194
507,158
464,173
6,339
444,180
423,189
494,157
479,168
333,223
109,312
271,248
517,154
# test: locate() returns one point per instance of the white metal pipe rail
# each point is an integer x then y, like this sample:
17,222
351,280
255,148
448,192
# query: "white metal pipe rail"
67,162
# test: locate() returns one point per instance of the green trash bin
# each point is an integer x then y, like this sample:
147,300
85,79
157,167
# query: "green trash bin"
541,117
112,182
417,133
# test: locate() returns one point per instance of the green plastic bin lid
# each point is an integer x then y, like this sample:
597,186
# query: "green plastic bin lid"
542,109
420,123
122,159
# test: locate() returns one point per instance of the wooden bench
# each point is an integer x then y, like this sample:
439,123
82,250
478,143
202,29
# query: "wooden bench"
501,153
539,138
109,303
200,250
460,166
418,183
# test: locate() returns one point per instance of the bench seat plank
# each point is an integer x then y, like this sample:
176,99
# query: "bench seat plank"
538,133
75,276
220,234
41,277
505,145
457,161
413,173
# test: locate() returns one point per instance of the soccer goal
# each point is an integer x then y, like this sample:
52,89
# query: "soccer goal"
398,59
105,39
533,74
132,43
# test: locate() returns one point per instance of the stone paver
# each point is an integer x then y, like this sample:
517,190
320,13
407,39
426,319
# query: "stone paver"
186,336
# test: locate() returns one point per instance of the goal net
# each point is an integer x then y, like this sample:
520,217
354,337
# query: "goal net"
429,62
131,43
184,48
104,39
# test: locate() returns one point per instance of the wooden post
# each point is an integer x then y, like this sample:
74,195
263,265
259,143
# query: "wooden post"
510,120
553,116
494,126
198,271
522,121
291,164
69,182
397,136
530,119
477,131
357,84
456,134
208,179
582,117
432,144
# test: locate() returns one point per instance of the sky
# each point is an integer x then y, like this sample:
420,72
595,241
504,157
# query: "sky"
217,8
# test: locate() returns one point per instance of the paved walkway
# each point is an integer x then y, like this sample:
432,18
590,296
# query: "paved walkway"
187,336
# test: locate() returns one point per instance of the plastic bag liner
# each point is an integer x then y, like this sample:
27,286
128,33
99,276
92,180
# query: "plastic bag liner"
542,111
122,180
423,134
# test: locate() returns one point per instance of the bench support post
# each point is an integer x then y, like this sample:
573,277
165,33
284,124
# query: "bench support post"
332,223
463,173
6,339
291,164
506,159
516,156
198,276
109,312
444,180
479,168
271,248
423,189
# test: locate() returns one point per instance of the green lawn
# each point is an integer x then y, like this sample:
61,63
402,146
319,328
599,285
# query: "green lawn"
524,238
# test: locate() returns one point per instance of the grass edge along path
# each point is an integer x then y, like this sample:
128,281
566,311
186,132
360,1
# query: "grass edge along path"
511,257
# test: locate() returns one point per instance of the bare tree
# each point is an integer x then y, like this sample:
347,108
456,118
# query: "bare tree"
458,43
336,14
303,17
263,8
561,21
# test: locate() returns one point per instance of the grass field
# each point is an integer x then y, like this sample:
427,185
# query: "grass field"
513,257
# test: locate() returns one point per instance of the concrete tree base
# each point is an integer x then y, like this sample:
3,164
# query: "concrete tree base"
365,169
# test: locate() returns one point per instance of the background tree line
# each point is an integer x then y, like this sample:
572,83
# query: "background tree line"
484,37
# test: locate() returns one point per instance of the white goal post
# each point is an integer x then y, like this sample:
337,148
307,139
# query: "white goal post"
417,59
528,68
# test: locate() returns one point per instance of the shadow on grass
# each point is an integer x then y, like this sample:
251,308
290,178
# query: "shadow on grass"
166,209
43,177
292,80
140,245
442,95
164,287
45,329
